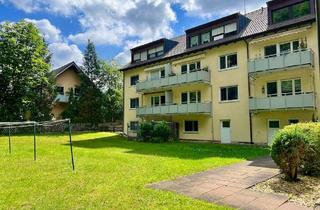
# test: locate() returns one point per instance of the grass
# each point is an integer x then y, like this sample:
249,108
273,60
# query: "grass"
111,172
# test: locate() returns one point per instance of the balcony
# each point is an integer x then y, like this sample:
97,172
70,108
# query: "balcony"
62,98
163,83
175,109
294,59
302,101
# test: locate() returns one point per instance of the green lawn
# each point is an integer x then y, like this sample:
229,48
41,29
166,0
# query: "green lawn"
111,172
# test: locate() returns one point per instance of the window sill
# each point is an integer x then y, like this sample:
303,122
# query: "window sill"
132,109
191,132
227,69
231,101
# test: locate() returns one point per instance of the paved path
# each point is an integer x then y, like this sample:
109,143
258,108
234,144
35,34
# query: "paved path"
229,186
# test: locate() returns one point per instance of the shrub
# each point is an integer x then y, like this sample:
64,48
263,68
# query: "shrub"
161,132
154,131
311,164
145,132
288,151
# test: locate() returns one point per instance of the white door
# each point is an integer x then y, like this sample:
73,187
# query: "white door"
225,132
273,128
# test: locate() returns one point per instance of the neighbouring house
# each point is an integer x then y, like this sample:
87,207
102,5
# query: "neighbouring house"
67,79
236,79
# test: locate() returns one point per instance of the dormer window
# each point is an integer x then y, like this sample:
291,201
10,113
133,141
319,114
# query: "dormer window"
194,41
137,57
155,52
205,38
291,12
223,31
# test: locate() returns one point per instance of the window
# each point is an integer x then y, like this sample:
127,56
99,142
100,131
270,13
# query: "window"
76,91
291,87
60,90
136,57
274,124
205,38
134,80
272,89
155,52
158,100
230,28
293,121
301,9
191,126
228,61
162,73
134,125
280,15
291,12
194,41
217,31
134,103
144,56
191,97
270,51
229,93
184,69
285,48
184,98
191,67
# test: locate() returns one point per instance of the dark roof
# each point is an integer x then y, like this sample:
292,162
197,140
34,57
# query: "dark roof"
256,24
65,67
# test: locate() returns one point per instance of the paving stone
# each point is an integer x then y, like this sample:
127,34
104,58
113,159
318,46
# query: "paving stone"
292,206
236,200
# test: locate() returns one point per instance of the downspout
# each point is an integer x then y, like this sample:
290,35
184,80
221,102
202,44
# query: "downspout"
249,91
317,5
123,108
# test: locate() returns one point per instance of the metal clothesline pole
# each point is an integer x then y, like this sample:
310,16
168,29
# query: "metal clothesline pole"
70,141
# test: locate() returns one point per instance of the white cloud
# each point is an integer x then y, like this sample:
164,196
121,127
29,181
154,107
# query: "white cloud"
63,53
48,31
210,8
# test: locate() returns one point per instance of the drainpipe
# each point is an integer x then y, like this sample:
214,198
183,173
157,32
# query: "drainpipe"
317,5
249,91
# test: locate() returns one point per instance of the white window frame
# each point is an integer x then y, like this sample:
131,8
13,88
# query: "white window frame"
293,86
226,62
278,53
134,99
191,132
159,97
188,66
136,82
197,36
227,101
188,97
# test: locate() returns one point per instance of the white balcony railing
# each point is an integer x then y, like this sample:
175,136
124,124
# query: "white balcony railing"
293,59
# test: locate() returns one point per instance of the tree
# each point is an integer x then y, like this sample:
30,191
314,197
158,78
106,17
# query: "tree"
26,85
113,97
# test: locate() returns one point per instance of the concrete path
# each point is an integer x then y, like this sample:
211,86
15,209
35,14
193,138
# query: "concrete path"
230,186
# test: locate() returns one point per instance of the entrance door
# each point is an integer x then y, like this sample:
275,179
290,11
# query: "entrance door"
273,128
225,132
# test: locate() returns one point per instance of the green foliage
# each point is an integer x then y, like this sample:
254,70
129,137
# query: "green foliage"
154,131
162,131
145,132
26,85
311,164
100,92
288,151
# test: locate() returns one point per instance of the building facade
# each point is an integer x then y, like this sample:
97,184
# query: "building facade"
67,79
240,78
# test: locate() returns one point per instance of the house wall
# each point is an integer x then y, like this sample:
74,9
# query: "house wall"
68,79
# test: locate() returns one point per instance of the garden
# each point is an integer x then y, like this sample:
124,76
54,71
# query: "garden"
110,171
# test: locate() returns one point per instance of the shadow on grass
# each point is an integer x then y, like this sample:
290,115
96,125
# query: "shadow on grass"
183,150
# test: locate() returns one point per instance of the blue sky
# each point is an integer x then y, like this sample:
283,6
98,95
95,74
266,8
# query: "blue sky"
115,26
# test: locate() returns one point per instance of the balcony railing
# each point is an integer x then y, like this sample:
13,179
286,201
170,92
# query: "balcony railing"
62,98
302,101
192,77
194,108
293,59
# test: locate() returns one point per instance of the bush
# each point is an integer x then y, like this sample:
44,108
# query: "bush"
154,132
311,164
288,151
161,132
145,132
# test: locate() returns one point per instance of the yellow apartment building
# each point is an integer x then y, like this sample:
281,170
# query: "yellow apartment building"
238,79
67,79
